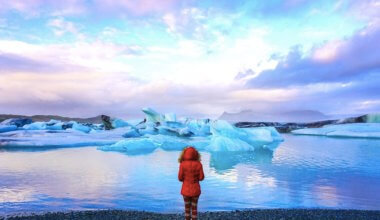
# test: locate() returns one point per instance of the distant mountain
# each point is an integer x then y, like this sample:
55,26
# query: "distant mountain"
93,120
284,116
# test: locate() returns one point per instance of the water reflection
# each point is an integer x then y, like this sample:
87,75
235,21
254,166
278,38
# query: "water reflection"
222,161
302,172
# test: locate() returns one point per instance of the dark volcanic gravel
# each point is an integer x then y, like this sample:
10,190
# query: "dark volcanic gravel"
259,214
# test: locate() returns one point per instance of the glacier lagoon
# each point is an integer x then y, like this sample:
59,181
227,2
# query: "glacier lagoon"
302,171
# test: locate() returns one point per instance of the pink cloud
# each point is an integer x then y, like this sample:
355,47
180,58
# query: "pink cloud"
140,7
36,7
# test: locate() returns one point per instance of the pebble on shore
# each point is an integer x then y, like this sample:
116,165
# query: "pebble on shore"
259,214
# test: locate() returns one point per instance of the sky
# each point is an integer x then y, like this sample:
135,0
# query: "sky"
195,58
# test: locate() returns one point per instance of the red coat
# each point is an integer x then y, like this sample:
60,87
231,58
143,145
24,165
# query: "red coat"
190,173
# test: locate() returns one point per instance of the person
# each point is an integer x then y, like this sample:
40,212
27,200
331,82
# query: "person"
190,173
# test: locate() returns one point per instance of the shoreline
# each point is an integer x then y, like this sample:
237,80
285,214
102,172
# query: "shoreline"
252,214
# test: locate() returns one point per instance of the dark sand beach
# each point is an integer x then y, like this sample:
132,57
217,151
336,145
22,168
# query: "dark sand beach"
259,214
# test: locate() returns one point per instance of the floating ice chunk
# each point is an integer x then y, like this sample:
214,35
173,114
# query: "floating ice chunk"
61,138
50,125
170,117
79,127
223,128
6,128
231,138
185,132
119,123
220,143
262,136
359,130
166,142
54,125
131,145
19,122
35,126
174,124
165,130
152,115
132,133
373,118
150,128
274,133
53,121
178,143
198,127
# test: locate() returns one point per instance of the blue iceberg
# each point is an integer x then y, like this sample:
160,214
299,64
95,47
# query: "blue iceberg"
6,128
162,131
168,133
119,123
131,145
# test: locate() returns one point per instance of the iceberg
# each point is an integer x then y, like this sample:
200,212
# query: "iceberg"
226,137
220,143
80,127
148,143
357,130
151,115
6,128
170,117
136,145
57,125
373,118
156,131
35,126
198,127
132,133
19,122
60,138
119,123
149,128
168,142
185,132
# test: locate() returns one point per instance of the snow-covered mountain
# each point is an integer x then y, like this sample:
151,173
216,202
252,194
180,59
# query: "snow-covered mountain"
279,116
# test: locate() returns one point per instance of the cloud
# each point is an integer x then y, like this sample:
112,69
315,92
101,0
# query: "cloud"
208,25
340,76
61,26
11,63
337,61
37,7
69,57
138,8
244,74
187,22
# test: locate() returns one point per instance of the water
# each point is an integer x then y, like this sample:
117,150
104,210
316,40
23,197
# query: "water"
304,171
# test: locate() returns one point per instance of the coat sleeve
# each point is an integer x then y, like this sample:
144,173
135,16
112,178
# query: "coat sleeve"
180,173
201,174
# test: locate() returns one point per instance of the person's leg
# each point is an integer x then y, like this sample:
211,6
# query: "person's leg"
194,210
187,207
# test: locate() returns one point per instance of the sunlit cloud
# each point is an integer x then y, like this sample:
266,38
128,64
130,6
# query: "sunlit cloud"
83,58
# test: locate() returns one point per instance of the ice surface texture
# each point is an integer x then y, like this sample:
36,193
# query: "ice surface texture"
358,130
60,138
373,118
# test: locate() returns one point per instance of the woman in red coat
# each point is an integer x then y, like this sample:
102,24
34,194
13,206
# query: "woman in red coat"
190,173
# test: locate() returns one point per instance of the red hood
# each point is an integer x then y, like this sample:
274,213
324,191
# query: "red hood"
190,154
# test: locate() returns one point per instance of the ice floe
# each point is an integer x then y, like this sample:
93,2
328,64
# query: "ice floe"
163,131
357,130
